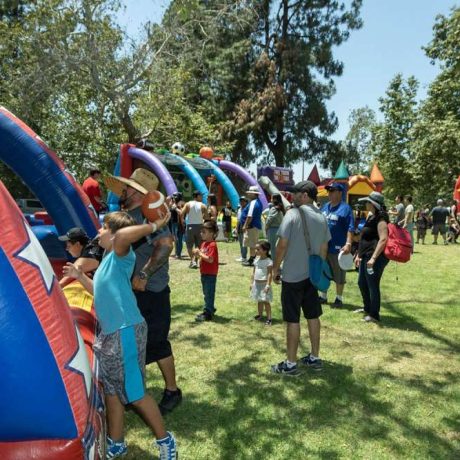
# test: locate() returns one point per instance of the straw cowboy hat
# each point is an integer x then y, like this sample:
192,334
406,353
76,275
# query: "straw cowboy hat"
141,180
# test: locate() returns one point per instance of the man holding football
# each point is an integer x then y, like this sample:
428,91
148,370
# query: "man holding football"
151,280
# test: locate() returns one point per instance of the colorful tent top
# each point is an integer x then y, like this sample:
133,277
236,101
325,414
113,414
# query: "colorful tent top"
314,176
360,185
342,172
376,176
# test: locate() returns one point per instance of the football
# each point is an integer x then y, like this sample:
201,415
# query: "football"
178,148
154,206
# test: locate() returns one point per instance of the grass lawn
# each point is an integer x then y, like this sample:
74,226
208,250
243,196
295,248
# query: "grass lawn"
386,391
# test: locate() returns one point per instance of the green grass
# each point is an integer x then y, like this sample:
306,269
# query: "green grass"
387,391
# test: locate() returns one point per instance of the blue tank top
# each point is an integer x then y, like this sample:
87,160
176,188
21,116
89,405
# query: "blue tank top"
114,299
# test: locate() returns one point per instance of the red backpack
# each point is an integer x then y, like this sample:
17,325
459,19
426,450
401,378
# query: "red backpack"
399,244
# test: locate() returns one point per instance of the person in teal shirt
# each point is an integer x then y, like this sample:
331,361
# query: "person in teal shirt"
121,345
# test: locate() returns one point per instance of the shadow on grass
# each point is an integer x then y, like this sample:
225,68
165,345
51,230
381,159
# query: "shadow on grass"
403,321
253,416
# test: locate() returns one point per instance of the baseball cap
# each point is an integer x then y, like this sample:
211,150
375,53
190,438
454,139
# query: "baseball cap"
335,186
305,186
75,234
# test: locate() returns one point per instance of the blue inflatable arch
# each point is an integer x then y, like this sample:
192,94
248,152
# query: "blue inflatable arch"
222,178
45,175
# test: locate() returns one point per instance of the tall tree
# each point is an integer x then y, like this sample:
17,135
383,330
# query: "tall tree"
358,141
292,76
268,71
392,138
437,133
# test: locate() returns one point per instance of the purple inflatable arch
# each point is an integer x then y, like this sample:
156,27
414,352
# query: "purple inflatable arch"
243,174
157,166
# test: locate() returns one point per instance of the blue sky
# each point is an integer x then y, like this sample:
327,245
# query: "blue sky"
390,42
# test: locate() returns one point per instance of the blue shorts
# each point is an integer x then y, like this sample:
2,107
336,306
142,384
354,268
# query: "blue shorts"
121,357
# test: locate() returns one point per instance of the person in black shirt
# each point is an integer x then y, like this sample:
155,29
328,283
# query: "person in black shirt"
438,216
88,254
177,229
370,258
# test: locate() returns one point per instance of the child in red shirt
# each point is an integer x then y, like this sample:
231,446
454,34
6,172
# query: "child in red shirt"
209,266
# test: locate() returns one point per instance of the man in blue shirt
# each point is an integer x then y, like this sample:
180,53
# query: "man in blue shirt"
340,220
252,223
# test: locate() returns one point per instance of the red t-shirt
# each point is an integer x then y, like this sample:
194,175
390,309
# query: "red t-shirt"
209,248
91,188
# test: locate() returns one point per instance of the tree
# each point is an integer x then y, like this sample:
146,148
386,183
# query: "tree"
266,68
437,132
358,141
392,140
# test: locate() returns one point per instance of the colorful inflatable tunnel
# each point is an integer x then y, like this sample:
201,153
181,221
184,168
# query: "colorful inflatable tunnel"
51,402
197,181
209,167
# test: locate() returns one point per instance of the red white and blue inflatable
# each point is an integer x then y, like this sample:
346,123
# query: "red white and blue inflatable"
51,403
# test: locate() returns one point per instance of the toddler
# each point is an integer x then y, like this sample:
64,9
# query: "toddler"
261,281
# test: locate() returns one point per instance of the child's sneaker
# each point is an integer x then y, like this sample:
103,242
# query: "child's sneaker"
168,447
313,363
268,322
116,449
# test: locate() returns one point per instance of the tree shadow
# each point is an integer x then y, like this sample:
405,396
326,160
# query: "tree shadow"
406,322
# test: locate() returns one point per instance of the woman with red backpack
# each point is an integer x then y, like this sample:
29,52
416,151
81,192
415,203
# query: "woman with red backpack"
370,258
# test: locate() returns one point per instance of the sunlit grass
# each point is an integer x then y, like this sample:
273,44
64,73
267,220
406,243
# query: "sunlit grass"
387,391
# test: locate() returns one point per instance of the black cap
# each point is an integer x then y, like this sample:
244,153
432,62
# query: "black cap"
306,186
196,193
75,234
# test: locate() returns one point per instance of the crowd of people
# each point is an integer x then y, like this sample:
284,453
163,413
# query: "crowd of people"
134,311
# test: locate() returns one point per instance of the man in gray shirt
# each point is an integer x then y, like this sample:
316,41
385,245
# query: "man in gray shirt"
297,291
150,280
398,212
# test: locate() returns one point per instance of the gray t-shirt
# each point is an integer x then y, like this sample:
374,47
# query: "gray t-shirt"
160,278
400,212
295,265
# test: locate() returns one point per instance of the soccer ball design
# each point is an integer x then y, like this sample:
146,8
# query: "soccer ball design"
178,148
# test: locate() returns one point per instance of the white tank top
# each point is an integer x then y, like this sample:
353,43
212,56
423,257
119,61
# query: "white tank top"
195,215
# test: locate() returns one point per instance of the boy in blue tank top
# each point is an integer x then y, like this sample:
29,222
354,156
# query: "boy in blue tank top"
121,344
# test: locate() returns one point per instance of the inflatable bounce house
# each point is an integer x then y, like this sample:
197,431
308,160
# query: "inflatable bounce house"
51,401
356,187
182,172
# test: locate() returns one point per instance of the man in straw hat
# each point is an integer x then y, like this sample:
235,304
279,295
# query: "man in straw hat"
150,280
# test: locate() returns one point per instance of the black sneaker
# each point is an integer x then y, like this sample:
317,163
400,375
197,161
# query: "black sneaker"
322,300
205,316
313,363
170,400
282,368
337,303
248,263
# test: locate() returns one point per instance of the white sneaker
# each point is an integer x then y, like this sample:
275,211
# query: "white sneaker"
240,259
